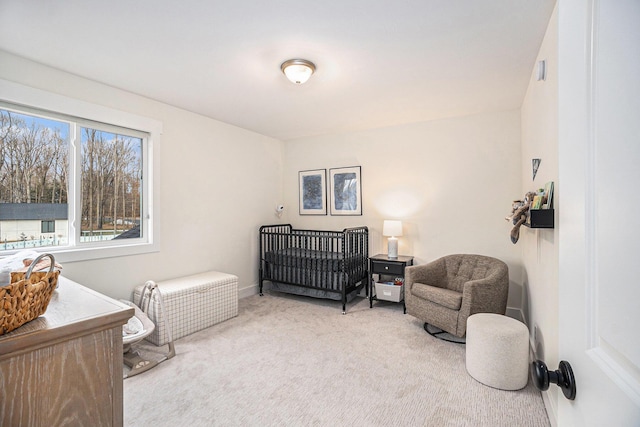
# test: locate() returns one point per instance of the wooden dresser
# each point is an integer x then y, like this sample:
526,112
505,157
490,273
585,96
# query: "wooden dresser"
65,367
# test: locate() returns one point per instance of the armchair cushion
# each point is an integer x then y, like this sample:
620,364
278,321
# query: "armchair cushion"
441,296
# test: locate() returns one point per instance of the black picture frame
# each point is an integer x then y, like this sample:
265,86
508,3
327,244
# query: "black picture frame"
345,186
313,192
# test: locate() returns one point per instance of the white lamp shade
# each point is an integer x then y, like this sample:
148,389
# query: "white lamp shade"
392,228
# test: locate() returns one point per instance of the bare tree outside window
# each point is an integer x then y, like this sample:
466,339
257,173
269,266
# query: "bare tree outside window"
34,181
111,171
33,159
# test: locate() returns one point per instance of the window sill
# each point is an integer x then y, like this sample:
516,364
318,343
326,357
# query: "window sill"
75,254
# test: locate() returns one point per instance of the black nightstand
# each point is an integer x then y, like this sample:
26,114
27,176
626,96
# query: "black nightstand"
382,264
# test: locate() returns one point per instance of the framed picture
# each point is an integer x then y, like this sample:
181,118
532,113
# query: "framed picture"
313,192
346,191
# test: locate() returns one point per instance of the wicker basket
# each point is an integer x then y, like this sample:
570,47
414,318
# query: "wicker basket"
27,297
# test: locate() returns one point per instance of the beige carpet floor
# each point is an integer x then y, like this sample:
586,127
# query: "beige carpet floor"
296,361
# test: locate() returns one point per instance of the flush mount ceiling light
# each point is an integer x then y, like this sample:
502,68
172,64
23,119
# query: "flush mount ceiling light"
298,70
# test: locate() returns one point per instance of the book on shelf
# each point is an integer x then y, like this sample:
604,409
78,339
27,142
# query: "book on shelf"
537,202
548,195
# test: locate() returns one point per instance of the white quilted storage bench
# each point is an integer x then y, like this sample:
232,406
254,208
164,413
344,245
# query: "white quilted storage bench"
191,304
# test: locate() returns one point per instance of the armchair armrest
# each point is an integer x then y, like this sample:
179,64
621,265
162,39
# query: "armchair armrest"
487,295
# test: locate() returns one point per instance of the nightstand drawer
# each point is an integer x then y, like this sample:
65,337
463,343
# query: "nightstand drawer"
382,267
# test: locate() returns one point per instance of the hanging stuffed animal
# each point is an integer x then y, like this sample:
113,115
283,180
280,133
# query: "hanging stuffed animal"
519,214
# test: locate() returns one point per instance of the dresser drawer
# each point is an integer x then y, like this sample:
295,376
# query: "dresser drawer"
382,267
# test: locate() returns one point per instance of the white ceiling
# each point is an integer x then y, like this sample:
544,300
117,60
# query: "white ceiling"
379,62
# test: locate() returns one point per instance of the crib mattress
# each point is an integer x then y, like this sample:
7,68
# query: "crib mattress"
191,303
324,279
312,259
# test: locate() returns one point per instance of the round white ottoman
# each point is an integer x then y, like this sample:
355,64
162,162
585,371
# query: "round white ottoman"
497,351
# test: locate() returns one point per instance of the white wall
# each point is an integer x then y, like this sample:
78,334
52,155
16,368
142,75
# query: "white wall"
218,184
450,181
540,247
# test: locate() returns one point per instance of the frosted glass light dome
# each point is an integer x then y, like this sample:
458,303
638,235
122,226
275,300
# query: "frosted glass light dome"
298,71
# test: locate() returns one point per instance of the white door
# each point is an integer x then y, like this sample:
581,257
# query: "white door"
599,207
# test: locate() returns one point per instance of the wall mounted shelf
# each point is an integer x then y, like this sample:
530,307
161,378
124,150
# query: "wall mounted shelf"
540,218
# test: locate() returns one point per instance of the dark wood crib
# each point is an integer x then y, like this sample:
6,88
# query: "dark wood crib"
320,264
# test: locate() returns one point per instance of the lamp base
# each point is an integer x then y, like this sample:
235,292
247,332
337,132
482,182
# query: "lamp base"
392,247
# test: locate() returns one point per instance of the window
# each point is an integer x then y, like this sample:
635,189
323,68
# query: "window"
75,185
48,227
111,185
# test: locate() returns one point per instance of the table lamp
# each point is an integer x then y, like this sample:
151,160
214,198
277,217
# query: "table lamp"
392,229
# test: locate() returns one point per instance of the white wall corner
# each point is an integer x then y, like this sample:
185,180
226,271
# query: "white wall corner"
247,291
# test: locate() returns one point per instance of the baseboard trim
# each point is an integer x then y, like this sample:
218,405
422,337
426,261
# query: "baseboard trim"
553,417
248,291
515,313
546,399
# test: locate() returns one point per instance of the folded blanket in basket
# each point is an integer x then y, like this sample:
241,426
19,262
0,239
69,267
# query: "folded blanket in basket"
21,261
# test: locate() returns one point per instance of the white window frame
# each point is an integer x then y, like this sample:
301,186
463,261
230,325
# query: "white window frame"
32,98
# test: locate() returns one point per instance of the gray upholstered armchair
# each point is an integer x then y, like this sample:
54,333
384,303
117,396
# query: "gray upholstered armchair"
445,292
